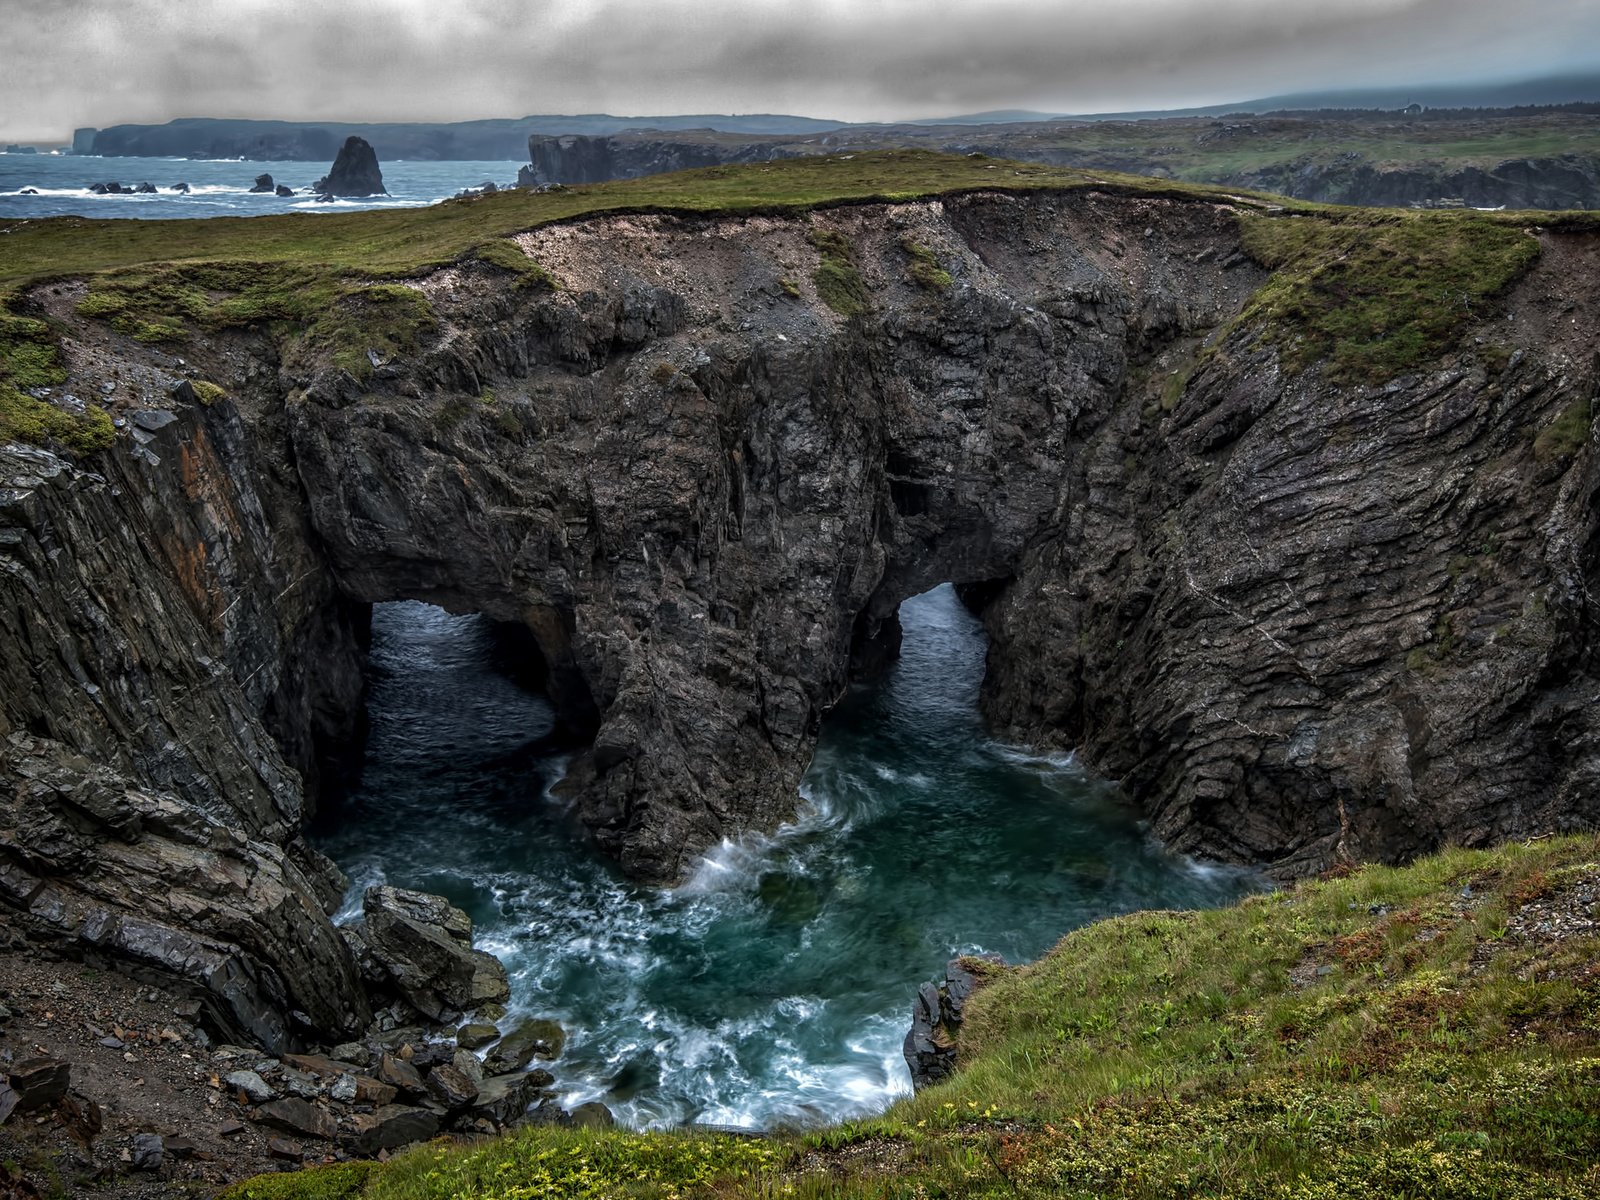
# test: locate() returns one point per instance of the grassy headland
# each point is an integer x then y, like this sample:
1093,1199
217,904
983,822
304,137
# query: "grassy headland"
1428,1031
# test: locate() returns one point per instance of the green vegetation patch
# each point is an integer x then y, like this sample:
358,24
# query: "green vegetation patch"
506,255
925,270
837,277
1377,293
341,314
1566,435
29,359
342,1182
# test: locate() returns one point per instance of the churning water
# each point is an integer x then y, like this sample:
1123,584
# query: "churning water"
775,986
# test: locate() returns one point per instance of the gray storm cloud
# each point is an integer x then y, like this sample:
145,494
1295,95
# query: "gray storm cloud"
97,62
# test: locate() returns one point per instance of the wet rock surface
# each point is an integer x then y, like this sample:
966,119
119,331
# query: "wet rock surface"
930,1045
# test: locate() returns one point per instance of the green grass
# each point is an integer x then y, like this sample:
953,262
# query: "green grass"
29,360
1566,435
925,270
1377,292
1389,1033
837,277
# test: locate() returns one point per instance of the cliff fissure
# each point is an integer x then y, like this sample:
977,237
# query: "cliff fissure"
1301,618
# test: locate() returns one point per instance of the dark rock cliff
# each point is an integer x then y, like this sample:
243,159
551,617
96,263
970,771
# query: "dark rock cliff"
1301,619
581,158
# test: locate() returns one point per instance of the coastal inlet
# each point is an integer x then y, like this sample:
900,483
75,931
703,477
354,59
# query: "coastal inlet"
775,986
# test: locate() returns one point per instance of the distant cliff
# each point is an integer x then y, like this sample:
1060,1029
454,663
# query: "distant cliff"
576,158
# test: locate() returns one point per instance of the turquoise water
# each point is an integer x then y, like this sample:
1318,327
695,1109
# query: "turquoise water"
776,984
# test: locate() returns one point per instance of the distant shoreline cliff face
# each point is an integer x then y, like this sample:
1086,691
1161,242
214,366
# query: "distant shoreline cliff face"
1304,617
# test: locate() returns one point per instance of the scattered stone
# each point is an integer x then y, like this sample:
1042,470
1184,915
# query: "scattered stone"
352,1052
182,1147
505,1099
593,1115
263,184
83,1115
284,1148
476,1035
145,189
319,1064
343,1089
251,1084
297,1116
111,1043
398,1073
536,1038
371,1091
301,1083
230,1128
393,1126
39,1081
451,1087
355,172
147,1152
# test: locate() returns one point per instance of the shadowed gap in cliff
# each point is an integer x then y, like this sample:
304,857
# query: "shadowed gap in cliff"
877,637
516,711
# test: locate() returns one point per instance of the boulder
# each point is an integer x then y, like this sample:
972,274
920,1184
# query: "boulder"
145,189
393,1126
147,1152
354,173
263,184
39,1081
399,1074
284,191
507,1098
297,1116
452,1088
180,187
251,1084
535,1038
424,944
592,1115
476,1035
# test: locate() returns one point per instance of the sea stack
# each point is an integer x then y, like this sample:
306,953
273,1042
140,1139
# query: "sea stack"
355,172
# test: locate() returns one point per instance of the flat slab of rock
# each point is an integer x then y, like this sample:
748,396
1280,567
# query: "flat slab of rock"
505,1099
40,1081
398,1073
393,1126
476,1035
299,1117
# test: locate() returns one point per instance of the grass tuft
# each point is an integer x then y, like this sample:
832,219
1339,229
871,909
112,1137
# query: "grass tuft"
837,277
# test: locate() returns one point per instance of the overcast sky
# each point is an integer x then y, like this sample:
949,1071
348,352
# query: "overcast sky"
67,63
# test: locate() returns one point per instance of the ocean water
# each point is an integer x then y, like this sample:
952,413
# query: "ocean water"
776,984
218,188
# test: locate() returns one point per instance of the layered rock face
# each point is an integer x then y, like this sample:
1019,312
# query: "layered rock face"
1300,619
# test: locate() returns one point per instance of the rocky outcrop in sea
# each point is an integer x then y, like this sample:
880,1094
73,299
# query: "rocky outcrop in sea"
355,172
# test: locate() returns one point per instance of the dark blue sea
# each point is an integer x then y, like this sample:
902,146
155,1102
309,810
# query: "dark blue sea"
218,188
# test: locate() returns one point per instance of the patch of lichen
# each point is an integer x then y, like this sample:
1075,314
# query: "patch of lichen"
1372,294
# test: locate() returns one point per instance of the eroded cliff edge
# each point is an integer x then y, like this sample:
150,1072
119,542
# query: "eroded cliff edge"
1301,618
